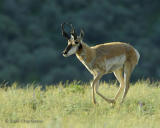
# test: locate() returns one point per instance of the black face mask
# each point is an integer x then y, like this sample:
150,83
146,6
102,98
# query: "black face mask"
67,49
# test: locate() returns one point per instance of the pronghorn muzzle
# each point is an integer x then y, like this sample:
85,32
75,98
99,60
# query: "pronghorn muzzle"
67,49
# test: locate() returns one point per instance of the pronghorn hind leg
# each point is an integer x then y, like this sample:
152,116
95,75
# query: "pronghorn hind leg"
127,74
96,86
119,75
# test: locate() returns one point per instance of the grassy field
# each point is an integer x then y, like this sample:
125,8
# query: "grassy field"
70,106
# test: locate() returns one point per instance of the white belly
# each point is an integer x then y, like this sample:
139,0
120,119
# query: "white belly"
115,63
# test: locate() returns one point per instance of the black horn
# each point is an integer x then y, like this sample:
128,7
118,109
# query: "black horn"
73,32
63,32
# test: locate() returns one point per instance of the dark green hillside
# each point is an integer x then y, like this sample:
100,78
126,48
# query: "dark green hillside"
31,41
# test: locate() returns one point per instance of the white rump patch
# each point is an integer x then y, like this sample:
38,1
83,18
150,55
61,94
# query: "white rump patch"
115,63
72,51
137,53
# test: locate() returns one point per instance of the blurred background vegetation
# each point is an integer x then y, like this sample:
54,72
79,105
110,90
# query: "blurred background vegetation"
31,41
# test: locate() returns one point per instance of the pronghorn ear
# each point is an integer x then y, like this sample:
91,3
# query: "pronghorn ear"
81,33
72,37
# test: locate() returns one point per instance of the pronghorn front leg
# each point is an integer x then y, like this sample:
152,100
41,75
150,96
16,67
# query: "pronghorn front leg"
93,93
96,86
96,79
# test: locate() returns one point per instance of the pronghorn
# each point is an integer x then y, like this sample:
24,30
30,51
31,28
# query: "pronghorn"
117,57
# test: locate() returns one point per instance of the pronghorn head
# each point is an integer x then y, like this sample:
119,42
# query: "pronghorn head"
74,41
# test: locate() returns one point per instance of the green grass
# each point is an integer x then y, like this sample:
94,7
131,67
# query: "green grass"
70,106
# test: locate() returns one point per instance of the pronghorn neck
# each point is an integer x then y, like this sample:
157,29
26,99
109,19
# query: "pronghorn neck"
85,54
